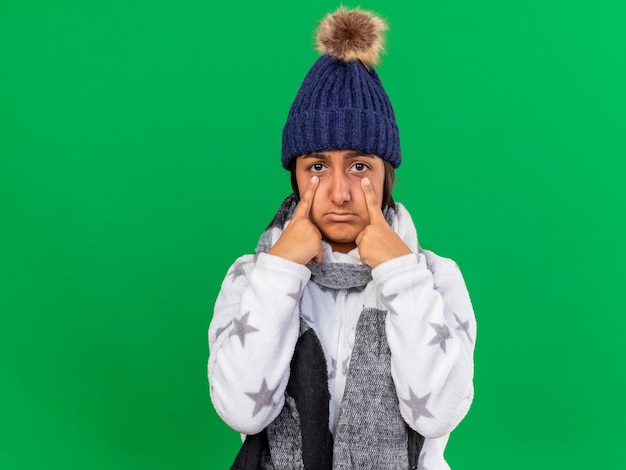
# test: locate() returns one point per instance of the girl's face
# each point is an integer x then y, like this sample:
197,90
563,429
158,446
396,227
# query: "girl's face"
339,208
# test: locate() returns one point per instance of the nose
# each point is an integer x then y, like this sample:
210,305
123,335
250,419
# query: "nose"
339,188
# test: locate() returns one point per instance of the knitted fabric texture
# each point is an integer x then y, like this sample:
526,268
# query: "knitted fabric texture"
371,432
341,106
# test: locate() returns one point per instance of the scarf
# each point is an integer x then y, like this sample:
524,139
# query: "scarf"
370,432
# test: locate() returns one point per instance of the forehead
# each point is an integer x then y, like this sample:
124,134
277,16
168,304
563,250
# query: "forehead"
338,155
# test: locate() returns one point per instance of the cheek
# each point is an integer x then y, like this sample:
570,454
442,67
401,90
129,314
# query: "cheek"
379,190
378,183
317,199
301,183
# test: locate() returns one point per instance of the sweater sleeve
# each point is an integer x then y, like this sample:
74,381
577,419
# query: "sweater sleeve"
252,337
431,331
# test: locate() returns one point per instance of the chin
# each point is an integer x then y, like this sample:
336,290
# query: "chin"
340,236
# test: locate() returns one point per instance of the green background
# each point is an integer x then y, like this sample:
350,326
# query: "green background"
139,156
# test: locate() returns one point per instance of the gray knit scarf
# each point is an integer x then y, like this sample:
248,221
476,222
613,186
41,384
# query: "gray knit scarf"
370,433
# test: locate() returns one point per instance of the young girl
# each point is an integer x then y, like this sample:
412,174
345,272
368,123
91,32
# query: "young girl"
342,344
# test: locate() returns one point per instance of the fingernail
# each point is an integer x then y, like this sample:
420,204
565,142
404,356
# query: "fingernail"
313,179
366,181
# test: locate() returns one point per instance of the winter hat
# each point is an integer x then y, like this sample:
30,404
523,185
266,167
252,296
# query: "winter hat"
341,104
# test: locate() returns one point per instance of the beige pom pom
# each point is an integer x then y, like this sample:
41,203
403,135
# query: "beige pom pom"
351,35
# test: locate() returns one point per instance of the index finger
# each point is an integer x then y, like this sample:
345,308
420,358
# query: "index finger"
373,206
306,201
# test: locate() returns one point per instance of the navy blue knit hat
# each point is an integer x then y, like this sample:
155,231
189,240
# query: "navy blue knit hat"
342,104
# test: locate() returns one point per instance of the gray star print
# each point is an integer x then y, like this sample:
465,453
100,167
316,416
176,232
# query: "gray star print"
241,328
262,398
463,326
443,334
219,331
418,405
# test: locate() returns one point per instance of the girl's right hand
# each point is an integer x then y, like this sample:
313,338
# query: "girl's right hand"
301,241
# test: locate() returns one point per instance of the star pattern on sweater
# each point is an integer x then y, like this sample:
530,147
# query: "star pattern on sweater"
219,331
418,405
263,398
463,326
241,328
442,335
237,270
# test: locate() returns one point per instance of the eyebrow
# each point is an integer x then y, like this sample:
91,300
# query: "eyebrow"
346,156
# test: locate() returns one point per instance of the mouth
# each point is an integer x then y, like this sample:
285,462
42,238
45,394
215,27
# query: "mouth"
340,216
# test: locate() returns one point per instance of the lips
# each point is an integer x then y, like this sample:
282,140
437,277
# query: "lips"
340,216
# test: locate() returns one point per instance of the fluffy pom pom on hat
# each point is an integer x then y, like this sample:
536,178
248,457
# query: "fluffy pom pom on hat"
341,104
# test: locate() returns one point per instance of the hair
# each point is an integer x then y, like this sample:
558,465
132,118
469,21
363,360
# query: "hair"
390,181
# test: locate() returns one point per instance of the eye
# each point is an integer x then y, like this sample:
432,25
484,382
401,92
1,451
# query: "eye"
316,167
360,167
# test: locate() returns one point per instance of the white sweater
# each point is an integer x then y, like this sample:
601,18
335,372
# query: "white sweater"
430,329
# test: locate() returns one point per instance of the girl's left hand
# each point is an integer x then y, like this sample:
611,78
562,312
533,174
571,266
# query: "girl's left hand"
378,242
